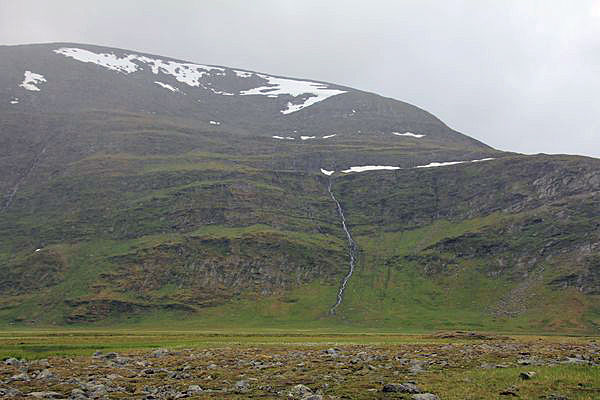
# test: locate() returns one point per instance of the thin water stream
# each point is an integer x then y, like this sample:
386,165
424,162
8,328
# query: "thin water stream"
15,189
352,251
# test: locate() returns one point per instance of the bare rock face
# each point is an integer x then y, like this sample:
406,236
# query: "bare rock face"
571,182
586,281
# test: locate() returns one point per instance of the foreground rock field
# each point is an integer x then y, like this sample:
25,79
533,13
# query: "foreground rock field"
447,368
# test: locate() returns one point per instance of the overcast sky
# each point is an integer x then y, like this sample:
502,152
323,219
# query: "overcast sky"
519,75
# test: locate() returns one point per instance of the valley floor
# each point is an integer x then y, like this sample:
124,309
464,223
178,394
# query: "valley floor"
221,365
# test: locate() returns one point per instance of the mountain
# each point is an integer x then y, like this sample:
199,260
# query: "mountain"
140,189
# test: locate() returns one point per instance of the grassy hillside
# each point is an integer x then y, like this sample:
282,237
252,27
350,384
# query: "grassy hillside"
157,222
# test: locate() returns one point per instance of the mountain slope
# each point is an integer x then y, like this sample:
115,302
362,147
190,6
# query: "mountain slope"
141,188
77,77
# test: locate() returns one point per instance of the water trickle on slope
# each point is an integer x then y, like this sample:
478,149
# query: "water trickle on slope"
15,189
352,250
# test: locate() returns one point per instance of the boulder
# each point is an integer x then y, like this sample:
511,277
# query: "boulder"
299,392
159,353
110,356
331,352
21,377
400,388
46,395
424,396
45,374
510,391
194,389
242,387
9,392
13,361
526,375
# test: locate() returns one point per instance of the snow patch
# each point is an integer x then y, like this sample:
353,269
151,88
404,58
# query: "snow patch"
326,172
187,73
444,164
329,136
440,164
220,92
242,74
415,135
307,137
167,86
31,80
283,138
369,168
307,91
110,61
430,165
214,122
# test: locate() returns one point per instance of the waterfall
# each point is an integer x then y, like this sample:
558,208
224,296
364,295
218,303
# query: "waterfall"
352,250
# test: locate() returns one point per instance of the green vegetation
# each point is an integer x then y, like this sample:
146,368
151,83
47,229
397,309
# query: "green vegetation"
38,343
168,223
576,382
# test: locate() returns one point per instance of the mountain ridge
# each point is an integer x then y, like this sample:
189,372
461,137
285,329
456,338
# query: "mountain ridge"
126,202
45,49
